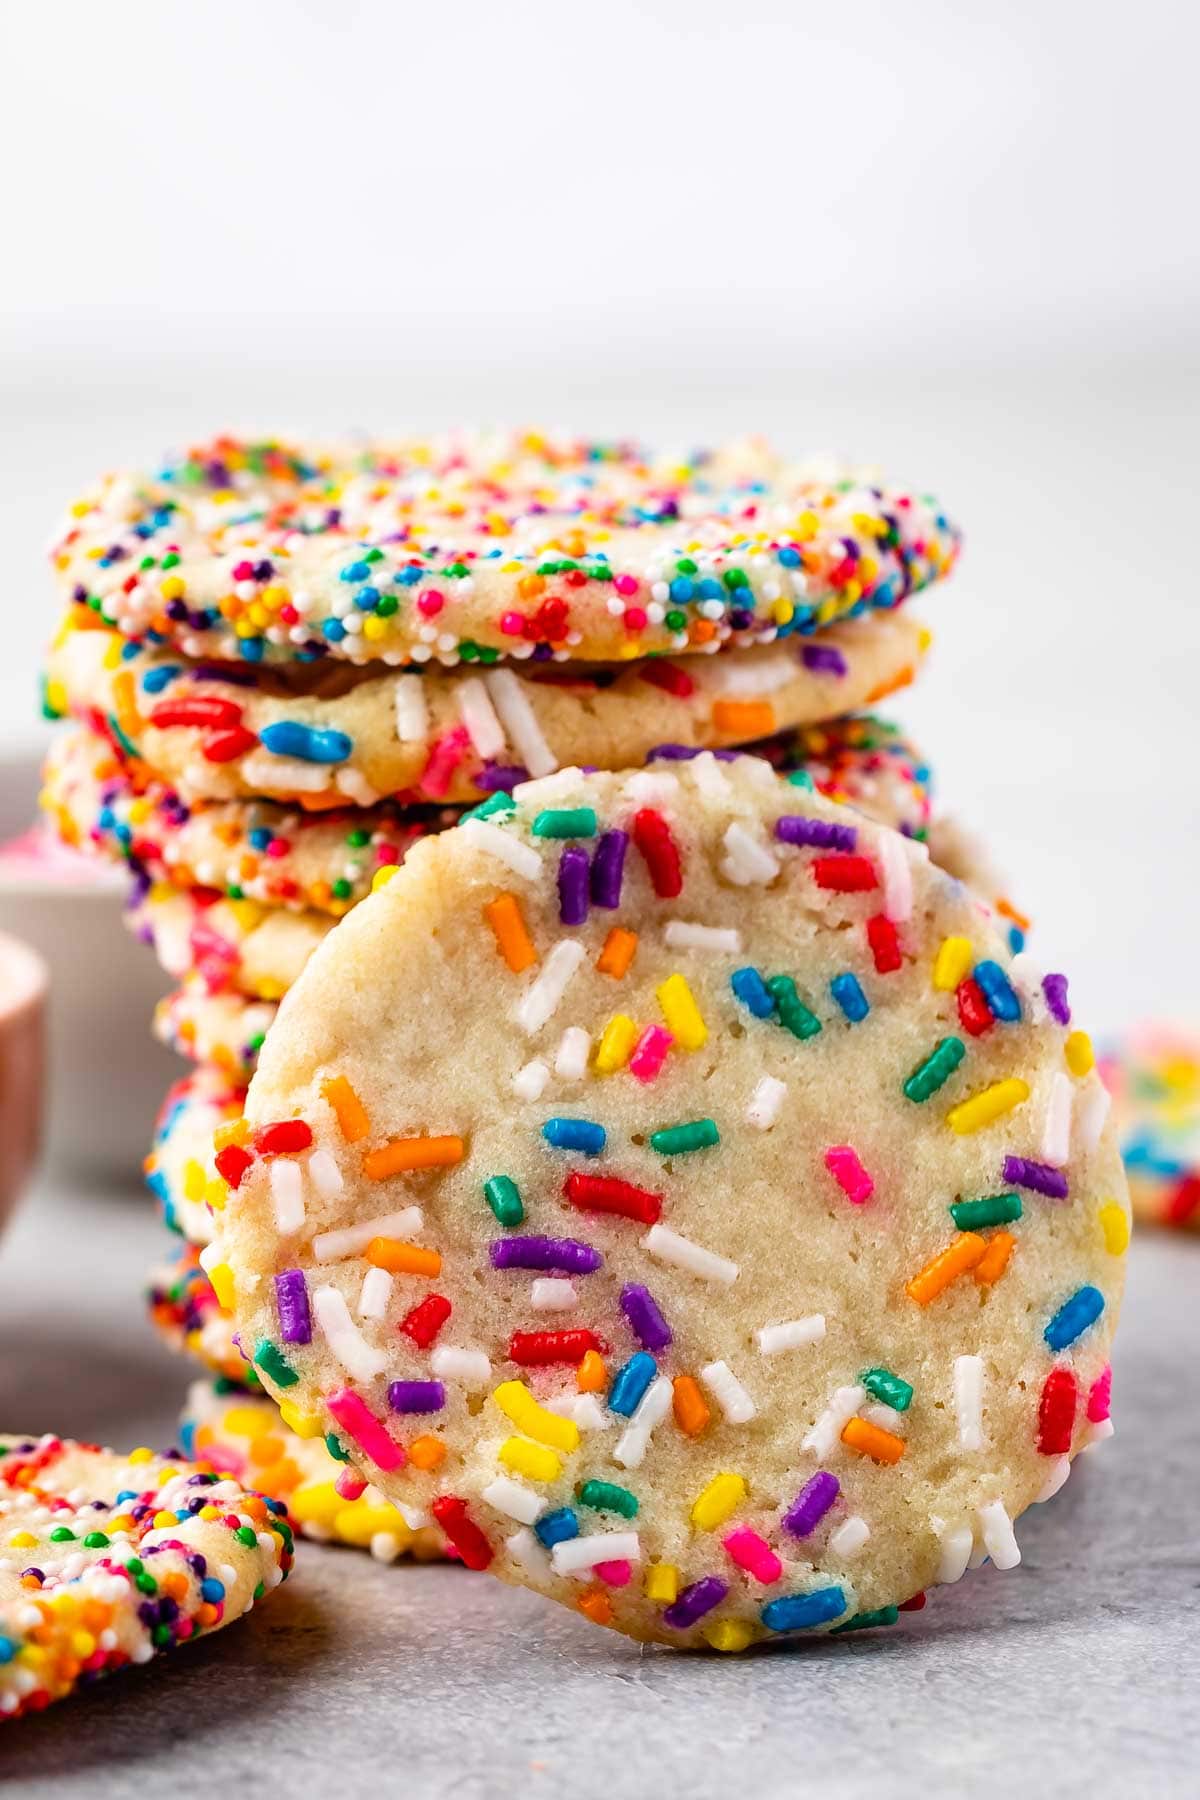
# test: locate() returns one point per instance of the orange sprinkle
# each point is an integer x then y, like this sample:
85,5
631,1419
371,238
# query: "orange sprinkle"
351,1113
992,1266
237,1131
125,703
891,685
175,1584
964,1253
702,631
744,719
206,1614
618,952
1007,910
691,1408
403,1154
403,1259
512,939
873,1441
596,1606
591,1377
426,1452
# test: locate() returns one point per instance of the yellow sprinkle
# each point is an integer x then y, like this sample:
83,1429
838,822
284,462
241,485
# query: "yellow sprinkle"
530,1460
1081,1058
382,876
952,963
661,1583
194,1180
723,1495
140,1455
33,1656
221,1277
21,1540
990,1104
616,1044
518,1404
236,1131
358,1521
305,1425
1115,1225
318,1503
248,1422
729,1635
682,1014
163,1519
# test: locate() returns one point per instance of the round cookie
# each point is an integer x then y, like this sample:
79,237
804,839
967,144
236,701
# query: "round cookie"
185,1312
107,1560
234,946
469,547
243,1435
331,736
220,1031
1154,1077
180,1171
671,1181
864,762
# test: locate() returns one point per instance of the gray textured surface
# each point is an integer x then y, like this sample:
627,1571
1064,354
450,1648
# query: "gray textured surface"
1076,1674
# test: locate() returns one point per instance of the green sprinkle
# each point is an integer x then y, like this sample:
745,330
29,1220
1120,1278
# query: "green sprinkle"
504,1198
259,1590
386,605
62,1534
685,566
246,1534
342,889
170,560
135,1565
793,1014
675,620
735,578
49,710
566,822
129,748
145,1584
272,1362
863,1621
358,838
800,778
162,1635
606,1496
96,1540
334,1447
373,556
235,892
468,651
936,1070
891,1389
996,1209
677,1140
498,802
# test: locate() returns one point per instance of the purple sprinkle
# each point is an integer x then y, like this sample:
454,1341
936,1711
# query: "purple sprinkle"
416,1396
1055,989
500,778
672,753
291,1301
695,1601
811,1503
1040,1177
573,885
544,1253
608,867
819,834
822,659
645,1320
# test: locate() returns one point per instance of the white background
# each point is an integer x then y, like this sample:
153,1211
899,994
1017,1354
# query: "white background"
958,240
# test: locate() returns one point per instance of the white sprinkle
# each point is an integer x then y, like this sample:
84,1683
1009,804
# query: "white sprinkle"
728,1393
479,716
553,1293
837,1415
747,863
1094,1103
1098,1432
530,1080
471,1367
886,1417
352,1240
412,709
574,1049
651,787
667,1246
709,777
757,675
510,1497
211,1257
682,935
267,774
791,1336
287,1194
1060,1468
999,1539
526,1552
517,717
376,1292
550,790
360,1361
968,1401
896,875
575,1554
541,1001
520,857
1056,1128
650,1411
354,784
957,1547
325,1175
384,1546
765,1102
585,1409
849,1537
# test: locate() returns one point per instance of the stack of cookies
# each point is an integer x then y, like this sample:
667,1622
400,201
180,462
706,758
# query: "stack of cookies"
285,666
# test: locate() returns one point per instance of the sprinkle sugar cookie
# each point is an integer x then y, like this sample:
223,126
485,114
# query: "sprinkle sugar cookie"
671,1181
220,1031
180,1171
332,735
470,548
1154,1077
235,946
187,1315
108,1560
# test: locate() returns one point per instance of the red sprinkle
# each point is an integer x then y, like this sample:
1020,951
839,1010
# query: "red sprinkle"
884,940
283,1138
196,711
533,1348
652,835
451,1514
425,1320
916,1604
973,1011
231,1164
1099,1402
670,678
225,746
844,874
1183,1201
609,1194
1056,1413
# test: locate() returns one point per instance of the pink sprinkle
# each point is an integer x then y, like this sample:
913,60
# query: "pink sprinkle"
278,847
1100,1398
617,1574
512,624
650,1052
754,1554
634,618
444,758
350,1484
626,584
355,1416
843,1164
430,603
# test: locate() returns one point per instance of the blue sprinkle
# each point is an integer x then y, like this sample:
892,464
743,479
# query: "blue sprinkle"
751,990
290,738
1016,939
556,1527
630,1383
409,577
155,680
367,599
710,589
187,1437
681,590
575,1134
8,1649
212,1590
1073,1317
998,991
251,649
790,558
334,630
847,991
260,838
355,571
799,1612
